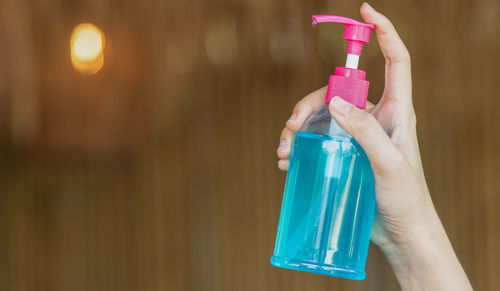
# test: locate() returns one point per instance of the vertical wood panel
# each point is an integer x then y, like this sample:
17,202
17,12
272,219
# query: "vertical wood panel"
159,172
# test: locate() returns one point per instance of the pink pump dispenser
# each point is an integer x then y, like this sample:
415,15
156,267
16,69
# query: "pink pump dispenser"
348,82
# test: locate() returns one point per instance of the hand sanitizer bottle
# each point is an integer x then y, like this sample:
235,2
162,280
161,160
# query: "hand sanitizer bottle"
329,201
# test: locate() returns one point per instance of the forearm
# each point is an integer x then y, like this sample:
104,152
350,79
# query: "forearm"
426,261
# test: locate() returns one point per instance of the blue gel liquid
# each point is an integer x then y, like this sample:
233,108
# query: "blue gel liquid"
328,208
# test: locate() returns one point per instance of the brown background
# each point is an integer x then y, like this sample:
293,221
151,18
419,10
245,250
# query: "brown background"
159,172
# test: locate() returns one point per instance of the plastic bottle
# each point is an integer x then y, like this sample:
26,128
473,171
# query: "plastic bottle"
329,199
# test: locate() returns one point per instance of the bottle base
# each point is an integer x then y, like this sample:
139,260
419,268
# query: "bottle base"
311,267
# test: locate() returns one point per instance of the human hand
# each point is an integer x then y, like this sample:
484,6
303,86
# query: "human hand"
407,227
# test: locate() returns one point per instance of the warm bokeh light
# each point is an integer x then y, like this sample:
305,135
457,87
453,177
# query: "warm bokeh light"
87,45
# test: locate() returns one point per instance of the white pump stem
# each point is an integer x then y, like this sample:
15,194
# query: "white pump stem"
352,61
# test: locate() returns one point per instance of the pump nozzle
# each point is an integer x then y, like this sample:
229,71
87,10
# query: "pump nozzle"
355,32
348,82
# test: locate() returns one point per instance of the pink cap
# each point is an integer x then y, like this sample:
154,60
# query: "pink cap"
347,83
350,85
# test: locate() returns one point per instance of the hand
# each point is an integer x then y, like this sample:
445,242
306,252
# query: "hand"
406,227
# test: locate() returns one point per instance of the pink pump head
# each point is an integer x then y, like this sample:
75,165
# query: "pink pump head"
355,32
349,83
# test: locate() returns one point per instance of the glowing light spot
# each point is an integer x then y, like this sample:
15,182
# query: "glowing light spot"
87,46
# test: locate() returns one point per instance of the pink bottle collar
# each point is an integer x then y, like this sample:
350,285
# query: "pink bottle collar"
350,85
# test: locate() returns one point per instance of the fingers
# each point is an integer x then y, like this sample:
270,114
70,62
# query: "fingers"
305,107
390,43
398,68
283,151
283,165
300,113
302,110
286,139
366,130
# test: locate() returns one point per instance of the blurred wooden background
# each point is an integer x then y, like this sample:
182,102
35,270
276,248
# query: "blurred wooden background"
159,172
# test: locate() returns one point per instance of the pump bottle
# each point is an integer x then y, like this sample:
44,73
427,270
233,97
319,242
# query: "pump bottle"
329,199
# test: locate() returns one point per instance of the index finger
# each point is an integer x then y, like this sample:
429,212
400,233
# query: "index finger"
397,58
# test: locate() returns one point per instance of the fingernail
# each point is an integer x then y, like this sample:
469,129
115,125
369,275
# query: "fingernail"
292,118
340,106
366,3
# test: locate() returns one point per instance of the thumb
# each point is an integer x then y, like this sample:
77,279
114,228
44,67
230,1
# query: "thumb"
366,130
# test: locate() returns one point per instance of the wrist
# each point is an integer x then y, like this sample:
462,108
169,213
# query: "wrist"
425,259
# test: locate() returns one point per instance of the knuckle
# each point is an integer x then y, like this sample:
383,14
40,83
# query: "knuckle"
386,23
301,105
281,154
402,57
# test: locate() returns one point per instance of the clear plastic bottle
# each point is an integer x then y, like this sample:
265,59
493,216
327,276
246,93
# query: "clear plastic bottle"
329,200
